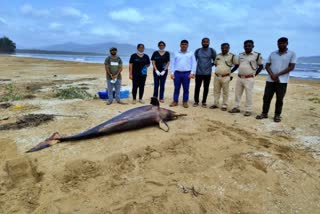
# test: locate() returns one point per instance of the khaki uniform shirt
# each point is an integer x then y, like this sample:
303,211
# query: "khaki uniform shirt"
224,63
248,63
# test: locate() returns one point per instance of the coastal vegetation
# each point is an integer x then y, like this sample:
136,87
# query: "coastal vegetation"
7,45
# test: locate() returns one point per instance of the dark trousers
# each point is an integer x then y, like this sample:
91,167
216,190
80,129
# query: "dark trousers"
159,81
206,82
271,88
181,78
138,82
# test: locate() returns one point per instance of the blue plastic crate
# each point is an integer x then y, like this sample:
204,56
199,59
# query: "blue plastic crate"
124,93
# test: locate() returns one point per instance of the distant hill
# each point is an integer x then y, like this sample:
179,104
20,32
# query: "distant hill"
309,59
100,48
36,51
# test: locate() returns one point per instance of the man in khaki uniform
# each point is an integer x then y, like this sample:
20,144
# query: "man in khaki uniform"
250,65
226,63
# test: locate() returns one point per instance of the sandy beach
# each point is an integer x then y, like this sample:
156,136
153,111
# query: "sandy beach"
209,162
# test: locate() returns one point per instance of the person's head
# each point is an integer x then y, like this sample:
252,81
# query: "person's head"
184,45
248,46
113,51
140,48
161,45
282,43
205,42
225,47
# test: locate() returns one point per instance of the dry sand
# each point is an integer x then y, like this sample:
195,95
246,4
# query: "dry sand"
235,164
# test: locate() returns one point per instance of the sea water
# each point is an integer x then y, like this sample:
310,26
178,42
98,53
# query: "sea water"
302,70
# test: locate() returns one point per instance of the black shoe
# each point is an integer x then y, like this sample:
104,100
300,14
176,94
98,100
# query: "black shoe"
234,110
261,116
277,118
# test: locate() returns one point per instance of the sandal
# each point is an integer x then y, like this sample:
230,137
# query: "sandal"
235,110
277,118
261,116
224,109
247,114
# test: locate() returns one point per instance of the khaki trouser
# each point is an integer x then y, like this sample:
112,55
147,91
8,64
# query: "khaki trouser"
247,85
218,84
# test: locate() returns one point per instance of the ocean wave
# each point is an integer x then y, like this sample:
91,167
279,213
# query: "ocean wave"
308,63
307,70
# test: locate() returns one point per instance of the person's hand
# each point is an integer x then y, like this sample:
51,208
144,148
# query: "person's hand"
158,72
191,76
130,76
162,73
172,76
274,77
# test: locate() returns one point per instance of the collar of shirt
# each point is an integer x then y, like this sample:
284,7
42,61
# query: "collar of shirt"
278,52
244,53
227,54
183,52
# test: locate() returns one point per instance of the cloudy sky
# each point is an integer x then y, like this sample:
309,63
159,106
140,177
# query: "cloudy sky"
37,23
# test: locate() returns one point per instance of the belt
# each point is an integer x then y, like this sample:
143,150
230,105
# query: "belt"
246,76
222,75
182,71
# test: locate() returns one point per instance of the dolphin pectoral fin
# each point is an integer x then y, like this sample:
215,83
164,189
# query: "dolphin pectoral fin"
53,139
163,125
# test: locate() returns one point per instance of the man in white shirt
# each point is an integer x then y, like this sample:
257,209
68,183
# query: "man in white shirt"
183,69
280,63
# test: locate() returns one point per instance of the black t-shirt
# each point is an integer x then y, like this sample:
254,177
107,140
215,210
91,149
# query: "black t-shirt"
161,61
139,64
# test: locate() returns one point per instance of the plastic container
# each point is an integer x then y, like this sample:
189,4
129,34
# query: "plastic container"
124,93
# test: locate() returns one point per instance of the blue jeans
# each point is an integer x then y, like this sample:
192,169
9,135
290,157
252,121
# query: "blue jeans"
181,78
116,86
159,81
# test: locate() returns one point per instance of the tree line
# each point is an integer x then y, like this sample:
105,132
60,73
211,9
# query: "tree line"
7,45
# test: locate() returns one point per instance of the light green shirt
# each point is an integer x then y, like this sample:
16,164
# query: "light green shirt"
113,65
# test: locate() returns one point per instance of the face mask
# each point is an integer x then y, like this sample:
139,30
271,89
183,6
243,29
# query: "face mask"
138,52
161,50
113,81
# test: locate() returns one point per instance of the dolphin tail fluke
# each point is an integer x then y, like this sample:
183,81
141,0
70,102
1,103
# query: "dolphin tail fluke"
53,139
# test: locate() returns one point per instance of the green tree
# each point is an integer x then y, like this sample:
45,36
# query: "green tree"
6,45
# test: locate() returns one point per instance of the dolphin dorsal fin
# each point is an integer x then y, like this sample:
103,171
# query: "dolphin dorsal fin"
154,101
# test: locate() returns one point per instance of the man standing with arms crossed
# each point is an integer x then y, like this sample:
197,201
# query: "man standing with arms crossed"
226,63
183,69
250,65
280,63
205,57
